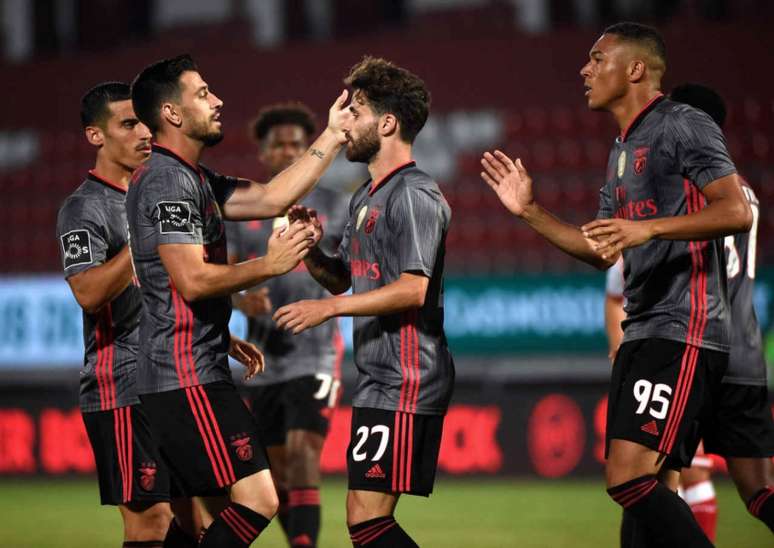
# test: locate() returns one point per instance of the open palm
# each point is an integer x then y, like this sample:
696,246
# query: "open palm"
509,180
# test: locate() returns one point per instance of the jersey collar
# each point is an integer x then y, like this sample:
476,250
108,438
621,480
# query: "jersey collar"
638,119
165,151
92,176
390,175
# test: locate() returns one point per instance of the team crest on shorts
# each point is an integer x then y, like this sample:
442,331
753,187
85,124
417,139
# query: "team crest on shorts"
148,475
242,446
640,159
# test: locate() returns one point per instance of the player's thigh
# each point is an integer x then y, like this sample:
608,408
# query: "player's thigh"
365,505
304,449
659,391
750,475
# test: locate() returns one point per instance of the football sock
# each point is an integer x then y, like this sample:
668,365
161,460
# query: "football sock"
666,516
177,538
761,505
236,526
282,512
381,532
701,498
303,516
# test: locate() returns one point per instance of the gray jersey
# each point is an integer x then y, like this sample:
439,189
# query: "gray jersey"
314,351
746,364
91,227
399,225
674,289
172,202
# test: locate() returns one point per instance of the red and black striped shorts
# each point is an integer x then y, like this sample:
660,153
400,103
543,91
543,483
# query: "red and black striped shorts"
129,468
393,451
660,393
207,437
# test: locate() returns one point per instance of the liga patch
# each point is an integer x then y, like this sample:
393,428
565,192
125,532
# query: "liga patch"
76,246
175,218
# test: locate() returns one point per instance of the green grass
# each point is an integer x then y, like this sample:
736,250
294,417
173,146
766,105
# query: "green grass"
461,513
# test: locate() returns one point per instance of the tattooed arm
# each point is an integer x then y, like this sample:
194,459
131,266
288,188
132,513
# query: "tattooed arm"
253,200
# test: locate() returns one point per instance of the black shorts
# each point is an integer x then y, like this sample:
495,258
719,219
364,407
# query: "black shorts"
741,424
207,437
393,452
129,468
305,403
658,391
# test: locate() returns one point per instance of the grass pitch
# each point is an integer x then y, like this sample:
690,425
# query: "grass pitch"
461,513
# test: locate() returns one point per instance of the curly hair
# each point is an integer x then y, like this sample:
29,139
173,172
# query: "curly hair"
291,113
392,89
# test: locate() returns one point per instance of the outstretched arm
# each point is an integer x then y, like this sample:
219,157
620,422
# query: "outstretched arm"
251,200
513,186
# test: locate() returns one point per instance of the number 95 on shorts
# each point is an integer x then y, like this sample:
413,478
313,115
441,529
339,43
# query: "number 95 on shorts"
392,451
659,390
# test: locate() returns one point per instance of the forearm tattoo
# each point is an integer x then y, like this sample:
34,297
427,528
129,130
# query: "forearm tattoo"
317,152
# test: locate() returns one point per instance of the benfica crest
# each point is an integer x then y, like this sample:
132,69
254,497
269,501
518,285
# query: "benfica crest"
640,159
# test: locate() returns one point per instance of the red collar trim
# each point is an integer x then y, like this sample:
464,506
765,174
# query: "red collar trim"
389,176
94,177
640,115
169,152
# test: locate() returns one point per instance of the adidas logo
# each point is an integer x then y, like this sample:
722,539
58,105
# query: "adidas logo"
650,428
375,472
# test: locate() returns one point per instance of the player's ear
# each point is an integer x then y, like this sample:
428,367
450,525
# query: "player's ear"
636,70
94,135
171,113
388,124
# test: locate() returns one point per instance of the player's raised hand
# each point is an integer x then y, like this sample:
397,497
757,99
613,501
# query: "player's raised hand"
248,355
509,180
287,246
611,236
338,115
297,317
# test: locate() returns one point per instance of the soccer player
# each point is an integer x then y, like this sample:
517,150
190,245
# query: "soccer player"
742,430
392,257
91,227
293,399
175,209
671,193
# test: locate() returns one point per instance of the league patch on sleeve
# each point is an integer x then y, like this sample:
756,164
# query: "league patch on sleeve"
175,218
76,245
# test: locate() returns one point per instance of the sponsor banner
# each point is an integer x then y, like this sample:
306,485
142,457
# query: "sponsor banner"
40,322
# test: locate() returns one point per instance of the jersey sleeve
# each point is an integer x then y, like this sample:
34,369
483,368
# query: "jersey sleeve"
697,146
416,216
223,186
81,230
174,203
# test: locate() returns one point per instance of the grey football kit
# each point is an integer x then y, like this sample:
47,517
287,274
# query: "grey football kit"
183,376
405,371
300,385
91,229
676,335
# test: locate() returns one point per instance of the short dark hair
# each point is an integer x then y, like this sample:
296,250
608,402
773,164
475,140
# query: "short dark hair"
701,97
643,35
94,103
156,84
392,89
291,113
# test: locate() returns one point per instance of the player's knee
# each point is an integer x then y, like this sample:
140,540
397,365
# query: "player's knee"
257,494
360,508
147,522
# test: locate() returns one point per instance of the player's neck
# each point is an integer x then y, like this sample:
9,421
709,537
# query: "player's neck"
112,172
391,156
631,105
186,148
